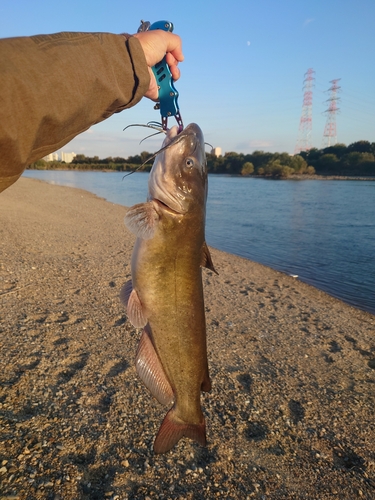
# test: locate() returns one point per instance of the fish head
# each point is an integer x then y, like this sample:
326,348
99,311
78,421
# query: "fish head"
178,178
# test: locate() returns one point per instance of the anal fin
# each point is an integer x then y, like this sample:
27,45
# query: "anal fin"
151,372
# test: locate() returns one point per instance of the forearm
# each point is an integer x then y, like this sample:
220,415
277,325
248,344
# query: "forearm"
54,87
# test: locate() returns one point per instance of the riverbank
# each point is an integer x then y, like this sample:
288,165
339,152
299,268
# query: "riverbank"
317,177
297,177
290,414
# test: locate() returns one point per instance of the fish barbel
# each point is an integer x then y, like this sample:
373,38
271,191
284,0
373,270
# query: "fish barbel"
165,295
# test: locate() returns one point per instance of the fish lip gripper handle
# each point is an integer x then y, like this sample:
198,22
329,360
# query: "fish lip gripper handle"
168,95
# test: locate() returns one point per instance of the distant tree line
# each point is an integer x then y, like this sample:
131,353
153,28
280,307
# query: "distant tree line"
277,165
82,162
357,159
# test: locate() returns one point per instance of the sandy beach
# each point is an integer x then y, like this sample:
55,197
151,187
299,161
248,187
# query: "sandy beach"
291,412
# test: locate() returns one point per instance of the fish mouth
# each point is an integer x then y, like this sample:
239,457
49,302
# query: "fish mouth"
165,207
171,184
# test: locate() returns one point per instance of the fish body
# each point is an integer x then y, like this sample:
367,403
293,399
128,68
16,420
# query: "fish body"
165,296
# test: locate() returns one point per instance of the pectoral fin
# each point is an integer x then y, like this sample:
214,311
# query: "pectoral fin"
142,220
207,259
151,372
129,297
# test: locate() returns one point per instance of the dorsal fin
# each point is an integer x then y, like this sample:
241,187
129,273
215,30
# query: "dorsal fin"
206,260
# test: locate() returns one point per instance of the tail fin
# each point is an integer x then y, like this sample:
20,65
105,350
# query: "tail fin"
173,429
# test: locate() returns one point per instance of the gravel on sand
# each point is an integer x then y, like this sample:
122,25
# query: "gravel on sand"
291,411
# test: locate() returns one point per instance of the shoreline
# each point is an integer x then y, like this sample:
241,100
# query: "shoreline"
290,414
359,300
296,177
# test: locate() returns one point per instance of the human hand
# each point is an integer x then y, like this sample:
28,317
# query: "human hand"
156,44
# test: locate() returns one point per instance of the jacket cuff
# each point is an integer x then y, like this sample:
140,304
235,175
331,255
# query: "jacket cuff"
140,68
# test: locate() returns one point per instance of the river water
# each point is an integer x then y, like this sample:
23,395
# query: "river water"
321,230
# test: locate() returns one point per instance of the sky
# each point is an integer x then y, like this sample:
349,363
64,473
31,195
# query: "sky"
245,61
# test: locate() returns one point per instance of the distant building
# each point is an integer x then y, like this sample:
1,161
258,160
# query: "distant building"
216,151
67,157
51,157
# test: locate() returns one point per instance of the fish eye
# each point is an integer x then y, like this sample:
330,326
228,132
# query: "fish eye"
189,162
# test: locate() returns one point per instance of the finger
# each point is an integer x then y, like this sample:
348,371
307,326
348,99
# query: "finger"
157,43
172,63
171,60
174,46
175,72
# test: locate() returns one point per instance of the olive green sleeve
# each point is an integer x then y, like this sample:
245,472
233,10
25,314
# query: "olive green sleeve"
53,87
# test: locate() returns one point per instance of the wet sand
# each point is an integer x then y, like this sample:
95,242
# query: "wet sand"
291,411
